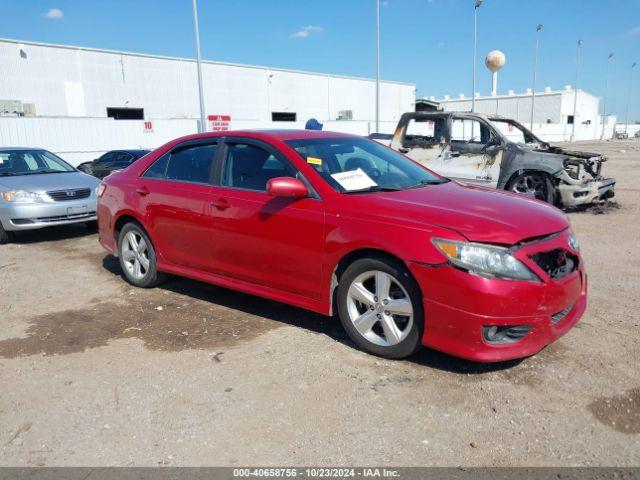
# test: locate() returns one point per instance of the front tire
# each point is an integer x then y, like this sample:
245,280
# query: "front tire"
535,185
5,237
380,307
138,257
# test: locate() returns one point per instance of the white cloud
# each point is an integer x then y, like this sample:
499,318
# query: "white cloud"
635,31
54,13
304,32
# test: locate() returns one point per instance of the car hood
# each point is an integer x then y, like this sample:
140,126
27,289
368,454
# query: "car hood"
478,213
49,181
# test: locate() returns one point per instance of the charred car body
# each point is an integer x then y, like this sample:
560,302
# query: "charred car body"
500,152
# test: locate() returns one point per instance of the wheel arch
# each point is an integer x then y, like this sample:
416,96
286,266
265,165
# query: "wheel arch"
551,178
347,259
121,221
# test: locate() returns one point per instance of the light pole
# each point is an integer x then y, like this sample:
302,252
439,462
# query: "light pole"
377,66
535,72
604,99
575,93
626,116
475,27
201,127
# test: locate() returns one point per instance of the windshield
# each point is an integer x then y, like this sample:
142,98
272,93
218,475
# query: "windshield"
31,162
514,132
355,164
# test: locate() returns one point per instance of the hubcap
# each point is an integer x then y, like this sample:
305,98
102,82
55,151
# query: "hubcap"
135,255
532,186
380,308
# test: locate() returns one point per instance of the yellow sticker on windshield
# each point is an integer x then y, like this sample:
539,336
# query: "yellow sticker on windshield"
314,161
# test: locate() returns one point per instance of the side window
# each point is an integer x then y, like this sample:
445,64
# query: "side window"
106,158
188,164
424,132
249,167
122,159
469,131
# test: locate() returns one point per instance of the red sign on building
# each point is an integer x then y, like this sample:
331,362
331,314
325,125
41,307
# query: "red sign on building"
219,123
148,126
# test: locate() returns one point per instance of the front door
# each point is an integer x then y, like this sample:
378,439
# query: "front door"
275,242
473,155
175,192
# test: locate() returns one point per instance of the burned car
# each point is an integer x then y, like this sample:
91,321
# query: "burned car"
500,152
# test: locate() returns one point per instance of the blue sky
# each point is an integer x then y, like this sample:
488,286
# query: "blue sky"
426,42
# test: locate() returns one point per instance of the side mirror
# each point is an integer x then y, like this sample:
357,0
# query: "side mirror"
287,187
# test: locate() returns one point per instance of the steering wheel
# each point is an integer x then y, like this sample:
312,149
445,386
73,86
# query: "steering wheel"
366,165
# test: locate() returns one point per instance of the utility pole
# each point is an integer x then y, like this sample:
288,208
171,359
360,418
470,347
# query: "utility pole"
575,93
604,99
535,72
475,44
626,116
201,126
377,66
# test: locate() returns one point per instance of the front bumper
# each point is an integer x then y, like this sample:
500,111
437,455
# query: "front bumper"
458,304
31,216
579,193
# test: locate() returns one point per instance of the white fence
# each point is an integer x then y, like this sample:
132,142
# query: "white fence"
79,140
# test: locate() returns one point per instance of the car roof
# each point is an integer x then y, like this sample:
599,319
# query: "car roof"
6,149
130,150
274,134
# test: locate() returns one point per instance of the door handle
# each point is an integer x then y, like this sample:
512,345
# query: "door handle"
144,191
220,204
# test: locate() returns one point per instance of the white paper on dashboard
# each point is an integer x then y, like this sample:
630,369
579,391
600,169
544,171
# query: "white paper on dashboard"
354,180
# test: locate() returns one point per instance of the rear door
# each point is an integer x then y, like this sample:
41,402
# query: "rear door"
275,242
175,193
471,156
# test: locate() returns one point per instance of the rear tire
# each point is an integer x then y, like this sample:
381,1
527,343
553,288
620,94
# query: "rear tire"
137,257
5,237
380,307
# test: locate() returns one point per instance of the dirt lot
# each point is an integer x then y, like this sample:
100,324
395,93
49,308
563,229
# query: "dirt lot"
95,372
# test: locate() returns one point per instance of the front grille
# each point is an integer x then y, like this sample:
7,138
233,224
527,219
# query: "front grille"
556,263
557,317
71,194
57,218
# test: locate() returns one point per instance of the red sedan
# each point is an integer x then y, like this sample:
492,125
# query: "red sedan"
337,223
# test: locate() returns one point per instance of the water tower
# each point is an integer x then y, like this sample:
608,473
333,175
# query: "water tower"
494,61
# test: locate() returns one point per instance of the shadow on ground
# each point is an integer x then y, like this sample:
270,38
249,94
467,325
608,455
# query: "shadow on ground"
186,314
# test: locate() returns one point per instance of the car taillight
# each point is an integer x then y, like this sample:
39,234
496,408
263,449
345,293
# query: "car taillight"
100,189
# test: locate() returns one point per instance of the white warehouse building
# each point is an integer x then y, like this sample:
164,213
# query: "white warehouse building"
96,100
553,114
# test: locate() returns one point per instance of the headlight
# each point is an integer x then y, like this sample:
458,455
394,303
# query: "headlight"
22,196
484,260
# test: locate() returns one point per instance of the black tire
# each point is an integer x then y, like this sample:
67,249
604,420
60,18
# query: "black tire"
412,331
541,186
151,277
5,237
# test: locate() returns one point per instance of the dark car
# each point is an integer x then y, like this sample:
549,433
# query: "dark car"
110,161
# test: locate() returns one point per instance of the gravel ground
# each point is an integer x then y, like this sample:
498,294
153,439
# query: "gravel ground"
96,373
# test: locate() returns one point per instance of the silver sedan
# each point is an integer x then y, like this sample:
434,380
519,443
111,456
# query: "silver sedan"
38,189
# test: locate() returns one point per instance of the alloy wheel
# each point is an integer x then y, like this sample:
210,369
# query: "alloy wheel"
533,186
135,254
380,308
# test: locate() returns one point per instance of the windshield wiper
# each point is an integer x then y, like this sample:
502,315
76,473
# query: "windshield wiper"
435,181
46,170
374,188
10,174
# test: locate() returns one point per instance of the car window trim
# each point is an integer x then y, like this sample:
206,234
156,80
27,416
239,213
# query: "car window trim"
226,141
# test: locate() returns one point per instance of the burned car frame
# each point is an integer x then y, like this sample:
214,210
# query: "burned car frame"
502,153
